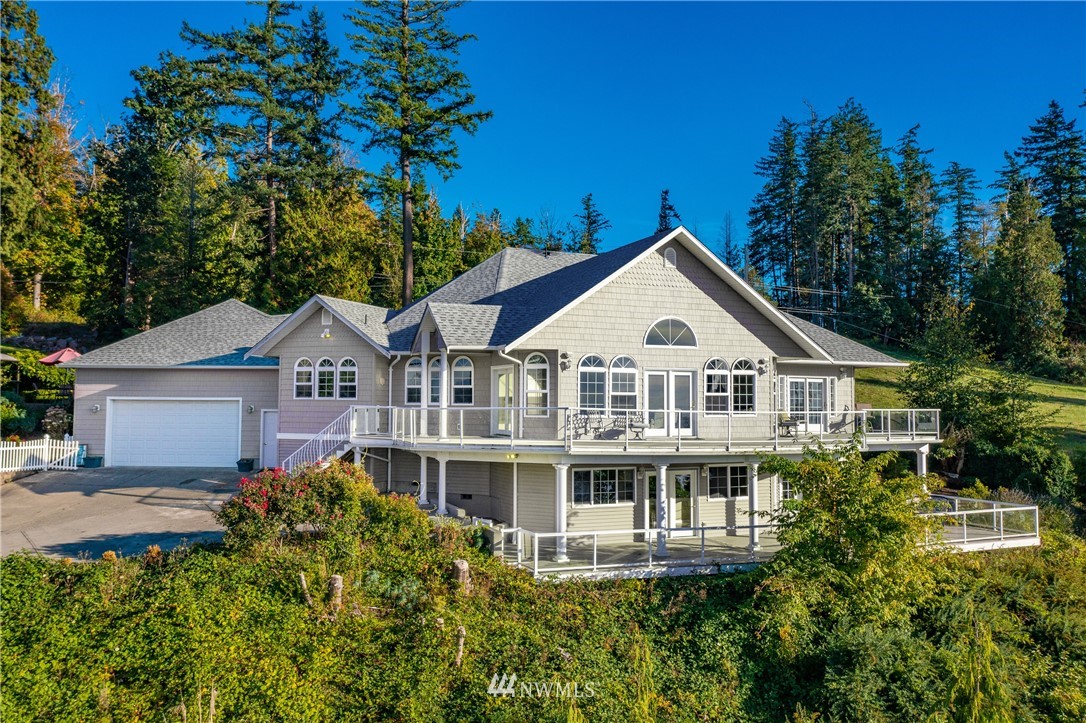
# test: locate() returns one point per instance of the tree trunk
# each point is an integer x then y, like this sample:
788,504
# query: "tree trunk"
37,290
273,245
405,175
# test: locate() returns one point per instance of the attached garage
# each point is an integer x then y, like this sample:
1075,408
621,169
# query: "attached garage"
173,432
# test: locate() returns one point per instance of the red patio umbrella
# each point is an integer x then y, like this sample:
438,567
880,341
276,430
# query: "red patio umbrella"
64,355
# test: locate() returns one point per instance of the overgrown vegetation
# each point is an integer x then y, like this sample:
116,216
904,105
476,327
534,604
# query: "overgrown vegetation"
845,624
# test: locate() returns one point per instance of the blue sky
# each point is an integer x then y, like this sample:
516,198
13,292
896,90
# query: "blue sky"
624,99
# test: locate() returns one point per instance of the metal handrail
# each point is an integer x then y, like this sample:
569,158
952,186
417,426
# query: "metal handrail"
317,449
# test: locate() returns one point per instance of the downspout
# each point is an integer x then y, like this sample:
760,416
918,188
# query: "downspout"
391,429
520,390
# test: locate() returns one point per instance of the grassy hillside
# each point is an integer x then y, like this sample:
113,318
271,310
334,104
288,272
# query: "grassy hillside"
1066,403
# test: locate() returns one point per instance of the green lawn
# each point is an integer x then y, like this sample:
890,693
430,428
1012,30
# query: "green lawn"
1065,402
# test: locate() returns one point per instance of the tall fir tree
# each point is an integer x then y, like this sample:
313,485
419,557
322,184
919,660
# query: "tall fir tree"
668,218
732,251
960,186
413,96
1055,150
591,223
774,242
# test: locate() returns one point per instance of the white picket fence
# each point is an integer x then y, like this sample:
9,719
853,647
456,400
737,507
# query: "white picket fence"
36,454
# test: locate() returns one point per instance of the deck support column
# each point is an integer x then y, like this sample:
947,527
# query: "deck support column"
752,503
441,462
424,499
661,510
922,460
560,509
443,395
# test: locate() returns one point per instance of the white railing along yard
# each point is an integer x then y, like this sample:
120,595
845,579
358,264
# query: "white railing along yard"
38,454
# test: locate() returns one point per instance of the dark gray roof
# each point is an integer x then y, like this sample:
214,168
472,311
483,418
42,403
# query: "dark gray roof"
842,349
526,287
217,336
370,319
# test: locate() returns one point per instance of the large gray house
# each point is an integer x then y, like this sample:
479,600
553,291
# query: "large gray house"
627,395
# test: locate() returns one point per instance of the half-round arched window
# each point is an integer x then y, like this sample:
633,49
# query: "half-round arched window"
669,258
303,379
413,382
326,379
716,386
463,381
435,381
592,384
348,379
537,385
744,377
671,332
623,384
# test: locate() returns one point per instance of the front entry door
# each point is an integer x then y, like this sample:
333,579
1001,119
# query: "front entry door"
683,493
269,439
501,394
670,401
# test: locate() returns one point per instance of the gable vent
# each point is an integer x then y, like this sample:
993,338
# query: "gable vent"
326,317
669,258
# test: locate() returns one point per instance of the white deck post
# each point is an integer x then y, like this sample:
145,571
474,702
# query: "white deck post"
560,510
424,398
443,395
441,462
424,499
922,460
661,510
516,523
752,503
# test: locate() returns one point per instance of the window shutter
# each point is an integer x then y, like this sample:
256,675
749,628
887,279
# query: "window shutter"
782,394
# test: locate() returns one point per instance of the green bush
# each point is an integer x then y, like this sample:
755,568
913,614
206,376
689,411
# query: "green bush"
1034,466
43,375
15,418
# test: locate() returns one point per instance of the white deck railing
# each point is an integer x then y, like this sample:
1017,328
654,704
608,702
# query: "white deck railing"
971,523
645,429
323,444
38,454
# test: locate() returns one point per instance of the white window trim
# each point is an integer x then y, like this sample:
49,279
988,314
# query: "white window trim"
645,339
407,375
611,370
581,369
544,411
312,378
316,377
727,394
452,383
732,374
727,482
595,505
339,382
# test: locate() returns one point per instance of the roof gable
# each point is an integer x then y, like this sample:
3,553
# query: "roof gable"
366,320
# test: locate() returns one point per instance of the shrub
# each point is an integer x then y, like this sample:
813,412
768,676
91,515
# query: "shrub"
15,417
56,422
42,375
1034,466
272,506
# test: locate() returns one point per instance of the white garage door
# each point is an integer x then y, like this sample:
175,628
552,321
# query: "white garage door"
174,432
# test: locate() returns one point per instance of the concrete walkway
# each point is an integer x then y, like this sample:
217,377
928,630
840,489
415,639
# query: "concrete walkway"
125,509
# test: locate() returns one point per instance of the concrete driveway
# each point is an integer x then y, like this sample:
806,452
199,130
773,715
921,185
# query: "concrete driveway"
125,509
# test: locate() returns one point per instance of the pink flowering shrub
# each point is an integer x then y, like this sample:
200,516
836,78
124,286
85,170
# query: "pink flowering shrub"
275,506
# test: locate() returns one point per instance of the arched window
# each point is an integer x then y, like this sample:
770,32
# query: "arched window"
670,332
592,384
463,381
743,386
303,379
348,379
669,258
623,384
537,385
413,382
716,386
435,381
326,379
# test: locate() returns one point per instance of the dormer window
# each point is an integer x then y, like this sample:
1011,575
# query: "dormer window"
671,332
413,382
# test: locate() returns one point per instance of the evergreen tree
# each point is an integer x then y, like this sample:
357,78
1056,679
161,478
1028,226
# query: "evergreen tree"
590,224
440,249
960,187
731,251
774,215
1056,150
414,98
1019,297
668,218
522,234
